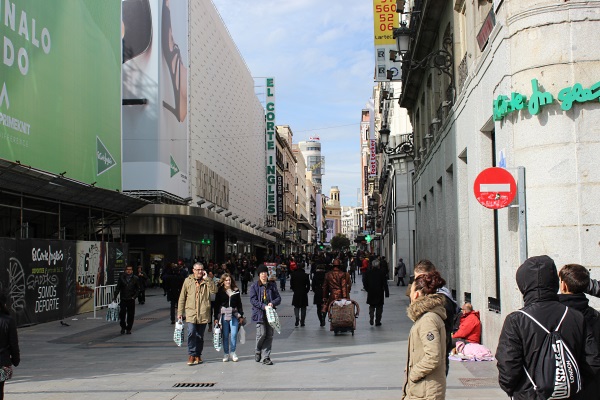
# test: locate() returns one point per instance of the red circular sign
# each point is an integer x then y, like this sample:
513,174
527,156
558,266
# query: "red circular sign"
495,188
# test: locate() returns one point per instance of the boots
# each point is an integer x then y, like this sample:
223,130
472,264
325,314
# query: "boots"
321,315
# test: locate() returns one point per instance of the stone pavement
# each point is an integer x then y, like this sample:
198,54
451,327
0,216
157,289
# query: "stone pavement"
90,359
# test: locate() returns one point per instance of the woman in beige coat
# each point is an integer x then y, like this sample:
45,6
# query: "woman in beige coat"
426,367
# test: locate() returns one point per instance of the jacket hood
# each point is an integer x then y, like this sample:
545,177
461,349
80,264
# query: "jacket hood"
428,303
537,280
577,301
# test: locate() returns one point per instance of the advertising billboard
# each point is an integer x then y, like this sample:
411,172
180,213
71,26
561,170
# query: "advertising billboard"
155,80
60,88
385,19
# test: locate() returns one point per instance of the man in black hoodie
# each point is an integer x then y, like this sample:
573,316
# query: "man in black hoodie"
521,338
574,281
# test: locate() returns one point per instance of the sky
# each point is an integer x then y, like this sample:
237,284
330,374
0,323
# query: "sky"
321,56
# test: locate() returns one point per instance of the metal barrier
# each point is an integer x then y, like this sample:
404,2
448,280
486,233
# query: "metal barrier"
103,296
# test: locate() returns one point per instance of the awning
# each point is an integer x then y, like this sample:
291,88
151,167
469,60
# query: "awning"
18,179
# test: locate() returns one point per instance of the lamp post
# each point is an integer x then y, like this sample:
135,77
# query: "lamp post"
406,147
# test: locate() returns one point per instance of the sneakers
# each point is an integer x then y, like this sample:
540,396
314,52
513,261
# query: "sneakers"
198,360
267,361
191,360
225,357
257,357
234,357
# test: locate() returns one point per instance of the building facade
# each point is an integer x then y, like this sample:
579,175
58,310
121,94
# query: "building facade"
510,100
315,163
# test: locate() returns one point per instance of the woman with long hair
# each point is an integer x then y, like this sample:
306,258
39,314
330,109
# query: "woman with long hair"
229,314
9,343
426,365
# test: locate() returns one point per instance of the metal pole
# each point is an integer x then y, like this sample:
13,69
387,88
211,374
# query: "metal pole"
522,214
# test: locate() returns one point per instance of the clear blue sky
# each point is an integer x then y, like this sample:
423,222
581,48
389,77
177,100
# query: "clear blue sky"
321,55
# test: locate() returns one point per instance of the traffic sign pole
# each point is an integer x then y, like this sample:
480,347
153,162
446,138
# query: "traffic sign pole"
522,214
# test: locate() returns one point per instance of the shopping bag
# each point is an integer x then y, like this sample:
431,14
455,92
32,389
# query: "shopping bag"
241,335
273,318
217,338
5,373
178,334
112,315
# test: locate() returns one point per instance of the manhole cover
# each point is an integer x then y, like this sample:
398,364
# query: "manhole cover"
194,385
479,382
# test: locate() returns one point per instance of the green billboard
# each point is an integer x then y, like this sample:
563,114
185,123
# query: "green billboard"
60,87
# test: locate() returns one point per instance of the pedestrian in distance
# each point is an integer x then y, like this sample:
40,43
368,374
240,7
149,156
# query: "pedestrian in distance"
245,276
10,354
144,282
377,290
229,314
522,336
425,367
574,281
194,301
300,285
173,282
128,286
335,286
282,276
263,293
317,288
401,272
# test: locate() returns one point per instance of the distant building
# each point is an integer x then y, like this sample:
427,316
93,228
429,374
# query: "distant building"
315,163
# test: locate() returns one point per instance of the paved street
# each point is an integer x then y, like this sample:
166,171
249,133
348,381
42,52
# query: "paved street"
90,359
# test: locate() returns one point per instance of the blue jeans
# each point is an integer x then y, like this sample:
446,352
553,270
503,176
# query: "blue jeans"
229,327
195,338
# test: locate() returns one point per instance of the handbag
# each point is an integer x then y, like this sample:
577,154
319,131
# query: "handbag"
112,315
217,338
5,373
178,334
242,334
273,318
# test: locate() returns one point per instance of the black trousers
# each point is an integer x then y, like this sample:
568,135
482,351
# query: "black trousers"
127,314
142,296
376,311
244,286
173,309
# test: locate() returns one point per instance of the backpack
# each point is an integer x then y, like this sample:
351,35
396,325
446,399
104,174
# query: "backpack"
557,373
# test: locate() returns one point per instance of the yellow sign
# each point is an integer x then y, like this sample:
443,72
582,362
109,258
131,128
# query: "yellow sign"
385,19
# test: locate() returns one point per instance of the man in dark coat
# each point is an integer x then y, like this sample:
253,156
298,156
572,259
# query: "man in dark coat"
300,285
317,288
521,338
173,282
128,286
574,281
377,288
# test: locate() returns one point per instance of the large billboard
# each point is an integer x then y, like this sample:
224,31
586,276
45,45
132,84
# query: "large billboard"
385,19
60,87
155,81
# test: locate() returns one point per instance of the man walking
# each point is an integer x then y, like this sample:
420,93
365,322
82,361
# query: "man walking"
173,281
300,285
195,301
401,272
521,338
129,287
377,288
263,293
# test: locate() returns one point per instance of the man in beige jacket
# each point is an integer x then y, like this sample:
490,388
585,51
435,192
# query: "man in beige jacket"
195,301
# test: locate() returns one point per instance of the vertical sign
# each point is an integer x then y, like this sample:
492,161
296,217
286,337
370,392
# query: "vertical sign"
270,148
385,18
279,198
372,158
366,183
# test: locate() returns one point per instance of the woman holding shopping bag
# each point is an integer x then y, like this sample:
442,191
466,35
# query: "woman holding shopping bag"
229,314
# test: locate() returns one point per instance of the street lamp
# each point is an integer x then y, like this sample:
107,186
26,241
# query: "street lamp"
406,147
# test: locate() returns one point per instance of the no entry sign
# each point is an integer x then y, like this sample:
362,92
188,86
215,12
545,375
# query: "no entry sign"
495,188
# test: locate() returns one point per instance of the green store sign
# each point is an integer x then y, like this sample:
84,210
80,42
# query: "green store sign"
504,105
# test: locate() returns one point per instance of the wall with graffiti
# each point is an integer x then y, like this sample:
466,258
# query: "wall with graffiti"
48,280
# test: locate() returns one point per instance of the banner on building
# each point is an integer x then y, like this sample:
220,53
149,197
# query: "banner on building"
329,230
372,158
280,216
271,151
155,68
60,88
385,19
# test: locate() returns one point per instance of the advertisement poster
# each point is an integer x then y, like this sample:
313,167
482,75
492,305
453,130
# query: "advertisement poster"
90,273
60,88
155,69
385,19
272,268
39,279
329,230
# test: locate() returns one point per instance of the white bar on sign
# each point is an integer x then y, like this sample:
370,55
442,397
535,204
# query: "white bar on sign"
494,187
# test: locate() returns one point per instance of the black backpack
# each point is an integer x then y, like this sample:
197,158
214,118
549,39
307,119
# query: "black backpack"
557,374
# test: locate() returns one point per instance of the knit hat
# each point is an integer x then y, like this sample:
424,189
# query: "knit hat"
262,268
